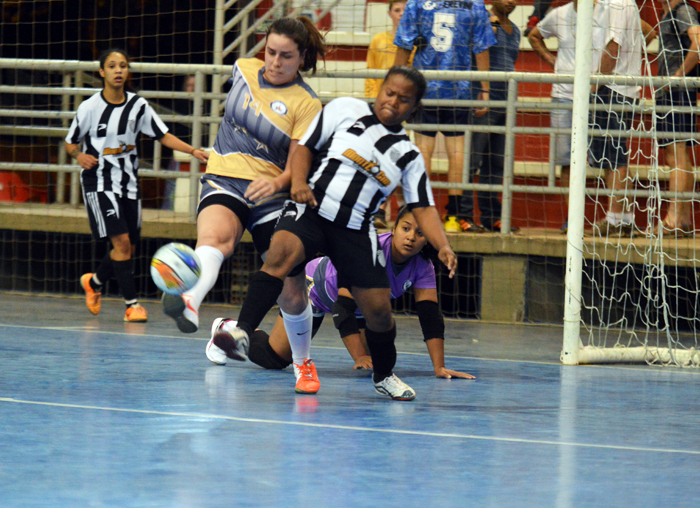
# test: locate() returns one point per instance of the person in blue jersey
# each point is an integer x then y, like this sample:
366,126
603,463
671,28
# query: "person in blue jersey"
407,265
449,35
352,157
103,139
268,109
488,148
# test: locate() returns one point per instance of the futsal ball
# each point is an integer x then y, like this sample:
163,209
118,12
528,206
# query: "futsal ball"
175,268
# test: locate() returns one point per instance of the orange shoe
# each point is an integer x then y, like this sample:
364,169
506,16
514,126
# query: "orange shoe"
92,297
136,314
307,379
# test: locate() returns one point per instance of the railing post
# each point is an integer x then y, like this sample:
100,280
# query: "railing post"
75,176
196,142
467,156
509,156
218,60
62,155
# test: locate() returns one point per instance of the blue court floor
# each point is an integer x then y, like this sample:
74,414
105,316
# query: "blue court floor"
100,413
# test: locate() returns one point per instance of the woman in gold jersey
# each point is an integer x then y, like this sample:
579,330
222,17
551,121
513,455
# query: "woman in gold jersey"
268,108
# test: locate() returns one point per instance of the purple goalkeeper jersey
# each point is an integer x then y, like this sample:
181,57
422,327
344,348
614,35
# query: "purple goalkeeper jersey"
322,277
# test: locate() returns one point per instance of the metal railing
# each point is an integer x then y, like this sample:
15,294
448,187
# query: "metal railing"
72,90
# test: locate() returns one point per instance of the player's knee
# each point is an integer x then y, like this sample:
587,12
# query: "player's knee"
379,318
293,298
262,354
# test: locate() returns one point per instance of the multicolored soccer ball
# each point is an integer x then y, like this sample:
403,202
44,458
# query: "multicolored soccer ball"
175,268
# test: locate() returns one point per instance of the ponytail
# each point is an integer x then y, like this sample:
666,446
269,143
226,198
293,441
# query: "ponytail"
308,39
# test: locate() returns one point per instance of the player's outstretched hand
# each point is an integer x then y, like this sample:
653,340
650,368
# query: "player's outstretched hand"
449,374
260,188
200,154
363,362
449,259
302,193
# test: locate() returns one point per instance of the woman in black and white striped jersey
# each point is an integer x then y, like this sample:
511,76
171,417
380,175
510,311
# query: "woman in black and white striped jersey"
352,157
103,139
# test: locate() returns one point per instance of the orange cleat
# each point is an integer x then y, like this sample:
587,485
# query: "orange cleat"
92,297
307,379
136,314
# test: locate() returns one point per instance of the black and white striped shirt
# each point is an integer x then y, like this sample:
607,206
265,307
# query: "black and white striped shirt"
110,133
358,162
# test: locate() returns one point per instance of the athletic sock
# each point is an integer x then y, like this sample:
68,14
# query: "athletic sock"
125,280
104,272
263,291
452,207
210,260
383,350
298,329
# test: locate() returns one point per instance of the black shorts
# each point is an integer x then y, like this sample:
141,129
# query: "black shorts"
443,115
672,122
610,151
111,215
357,255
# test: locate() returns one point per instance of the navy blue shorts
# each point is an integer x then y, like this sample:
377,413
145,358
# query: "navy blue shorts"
442,115
609,151
672,122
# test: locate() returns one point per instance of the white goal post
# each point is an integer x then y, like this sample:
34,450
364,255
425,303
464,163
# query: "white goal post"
628,300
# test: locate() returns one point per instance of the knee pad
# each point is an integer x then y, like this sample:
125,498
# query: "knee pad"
261,353
344,316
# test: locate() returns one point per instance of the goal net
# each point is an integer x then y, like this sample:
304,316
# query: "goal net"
638,294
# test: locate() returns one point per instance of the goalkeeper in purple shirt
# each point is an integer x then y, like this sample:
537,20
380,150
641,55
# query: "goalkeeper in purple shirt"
407,267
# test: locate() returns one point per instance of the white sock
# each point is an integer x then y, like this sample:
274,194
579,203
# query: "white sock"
299,333
211,260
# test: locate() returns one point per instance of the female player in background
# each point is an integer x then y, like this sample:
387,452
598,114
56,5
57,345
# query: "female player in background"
268,108
103,139
407,266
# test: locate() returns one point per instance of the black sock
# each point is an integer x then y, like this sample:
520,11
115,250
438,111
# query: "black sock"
452,207
104,272
125,280
383,350
263,291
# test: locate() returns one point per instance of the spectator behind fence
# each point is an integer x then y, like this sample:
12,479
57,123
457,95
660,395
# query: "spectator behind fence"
560,23
679,32
446,35
381,55
624,34
488,148
539,9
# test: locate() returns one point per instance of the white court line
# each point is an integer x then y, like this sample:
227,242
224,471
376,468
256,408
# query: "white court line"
352,428
655,368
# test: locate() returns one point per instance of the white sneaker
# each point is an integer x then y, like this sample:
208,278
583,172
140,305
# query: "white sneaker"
395,388
227,341
181,309
215,354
